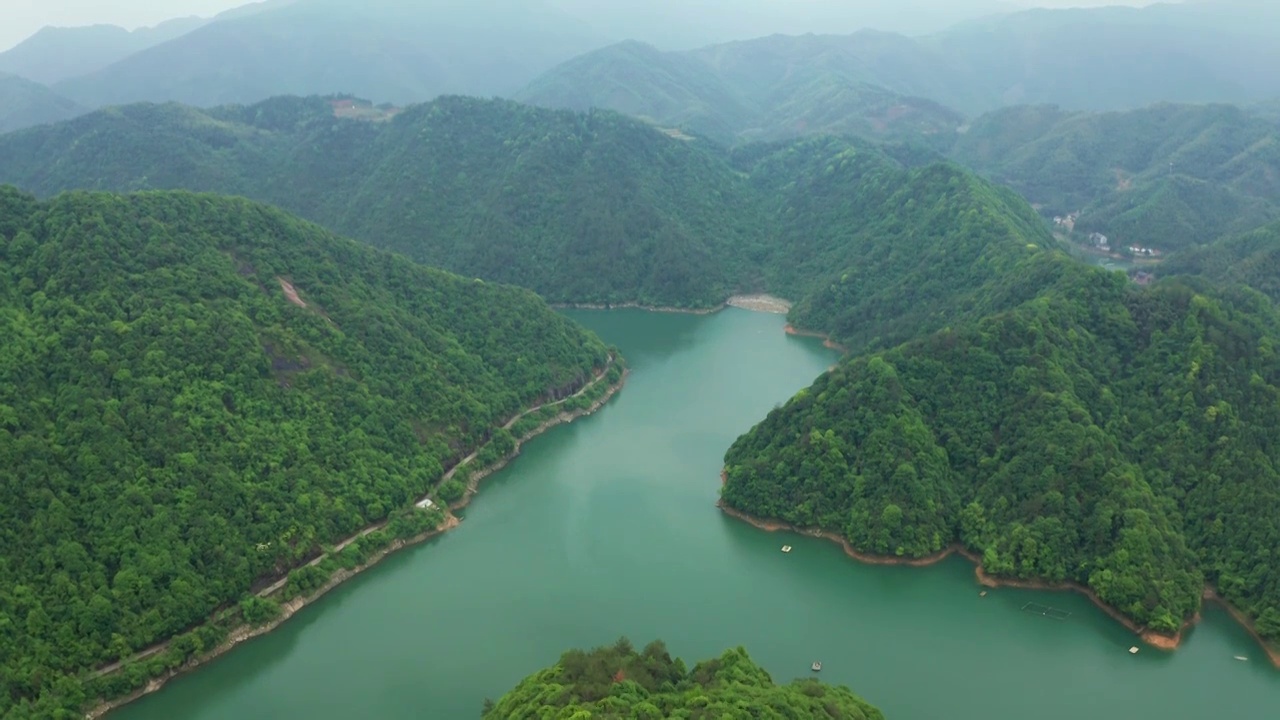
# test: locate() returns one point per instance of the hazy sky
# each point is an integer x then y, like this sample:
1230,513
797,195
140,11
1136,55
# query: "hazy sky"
20,18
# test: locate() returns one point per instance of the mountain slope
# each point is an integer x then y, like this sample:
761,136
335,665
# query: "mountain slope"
388,50
688,90
199,393
24,103
1251,258
619,681
587,208
884,84
1168,176
1099,434
58,53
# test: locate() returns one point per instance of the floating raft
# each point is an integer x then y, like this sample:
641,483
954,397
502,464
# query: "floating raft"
1046,611
786,548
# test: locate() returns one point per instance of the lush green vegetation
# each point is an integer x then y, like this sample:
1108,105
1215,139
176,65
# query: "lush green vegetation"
24,103
588,208
201,393
1166,176
1103,434
621,682
687,90
878,253
1251,258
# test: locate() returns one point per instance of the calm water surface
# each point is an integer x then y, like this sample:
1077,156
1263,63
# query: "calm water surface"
608,527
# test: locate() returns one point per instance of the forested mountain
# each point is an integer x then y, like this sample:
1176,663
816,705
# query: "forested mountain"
619,681
588,208
1113,58
59,53
24,103
1117,437
682,89
877,253
885,84
198,393
387,50
1251,258
1165,176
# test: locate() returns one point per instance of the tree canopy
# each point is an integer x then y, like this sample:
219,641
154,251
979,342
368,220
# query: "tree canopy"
1117,437
199,393
622,682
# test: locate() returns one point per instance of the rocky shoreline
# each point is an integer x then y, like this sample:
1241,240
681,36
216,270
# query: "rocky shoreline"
826,339
755,303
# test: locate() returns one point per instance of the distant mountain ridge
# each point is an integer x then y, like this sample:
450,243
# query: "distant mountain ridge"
877,84
1111,58
690,91
24,103
58,53
386,50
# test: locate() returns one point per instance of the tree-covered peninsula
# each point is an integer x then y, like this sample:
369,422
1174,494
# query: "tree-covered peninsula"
201,394
1102,434
622,682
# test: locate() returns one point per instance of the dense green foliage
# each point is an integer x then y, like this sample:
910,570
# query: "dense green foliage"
686,90
588,208
582,208
1099,433
621,682
1251,258
24,103
1166,176
880,253
200,393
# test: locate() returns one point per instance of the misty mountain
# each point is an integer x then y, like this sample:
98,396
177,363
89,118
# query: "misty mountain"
1168,176
58,53
1111,58
24,103
690,91
676,25
388,50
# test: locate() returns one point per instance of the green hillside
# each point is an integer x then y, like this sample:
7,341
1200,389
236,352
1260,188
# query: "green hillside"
1102,434
619,681
24,103
689,90
1251,258
1165,176
585,208
200,393
877,253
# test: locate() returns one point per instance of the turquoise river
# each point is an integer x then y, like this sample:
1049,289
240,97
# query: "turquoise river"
608,527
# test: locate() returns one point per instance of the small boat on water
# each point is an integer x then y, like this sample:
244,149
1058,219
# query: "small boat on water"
1133,650
1242,658
817,666
786,548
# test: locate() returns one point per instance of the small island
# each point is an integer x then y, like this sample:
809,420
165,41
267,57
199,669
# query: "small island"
620,681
